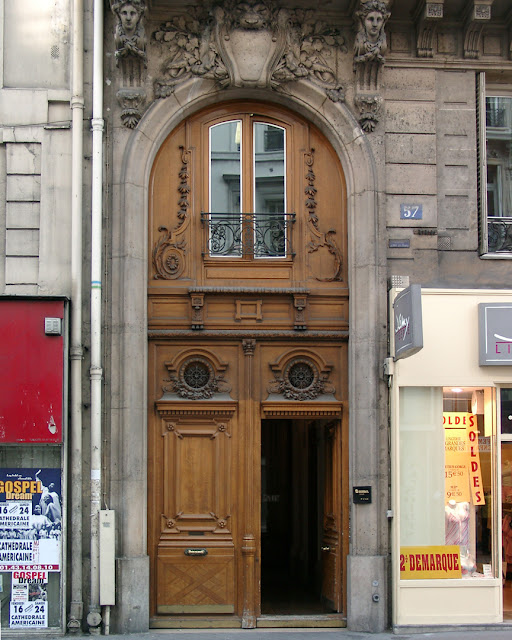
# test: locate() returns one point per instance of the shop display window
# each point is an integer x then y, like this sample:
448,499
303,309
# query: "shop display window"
446,451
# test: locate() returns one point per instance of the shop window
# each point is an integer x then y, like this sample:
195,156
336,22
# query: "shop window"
495,119
505,419
257,177
446,446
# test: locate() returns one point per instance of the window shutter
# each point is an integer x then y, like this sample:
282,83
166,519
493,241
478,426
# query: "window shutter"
481,163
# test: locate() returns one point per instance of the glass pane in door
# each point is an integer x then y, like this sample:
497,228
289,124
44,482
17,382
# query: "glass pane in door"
225,189
270,233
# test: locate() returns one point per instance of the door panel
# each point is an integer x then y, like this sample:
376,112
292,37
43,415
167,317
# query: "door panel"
193,523
195,583
331,538
196,476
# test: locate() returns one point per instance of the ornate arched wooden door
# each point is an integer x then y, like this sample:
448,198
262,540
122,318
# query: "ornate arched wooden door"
248,329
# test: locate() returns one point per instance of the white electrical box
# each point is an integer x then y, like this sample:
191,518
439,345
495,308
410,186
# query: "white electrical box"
107,557
53,326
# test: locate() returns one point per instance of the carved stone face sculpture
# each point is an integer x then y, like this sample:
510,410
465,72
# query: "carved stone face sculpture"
129,16
251,15
373,23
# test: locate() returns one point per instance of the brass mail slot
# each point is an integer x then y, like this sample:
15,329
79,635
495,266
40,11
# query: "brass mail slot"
196,552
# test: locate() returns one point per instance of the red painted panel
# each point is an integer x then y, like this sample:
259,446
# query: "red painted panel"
31,372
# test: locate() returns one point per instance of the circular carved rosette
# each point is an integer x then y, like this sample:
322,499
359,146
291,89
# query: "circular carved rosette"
300,380
168,256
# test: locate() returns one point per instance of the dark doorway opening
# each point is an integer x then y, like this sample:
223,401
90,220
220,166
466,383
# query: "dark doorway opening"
293,479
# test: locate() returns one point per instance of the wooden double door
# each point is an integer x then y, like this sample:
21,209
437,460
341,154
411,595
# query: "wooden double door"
247,360
247,506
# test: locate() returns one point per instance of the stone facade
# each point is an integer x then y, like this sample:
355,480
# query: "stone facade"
396,98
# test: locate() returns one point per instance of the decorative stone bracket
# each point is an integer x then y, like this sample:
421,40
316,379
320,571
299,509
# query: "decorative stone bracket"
477,14
427,16
370,47
130,43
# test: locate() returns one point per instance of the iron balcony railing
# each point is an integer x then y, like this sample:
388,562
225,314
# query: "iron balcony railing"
495,117
499,234
258,235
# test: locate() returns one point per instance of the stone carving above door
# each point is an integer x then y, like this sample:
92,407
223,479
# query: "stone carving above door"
249,44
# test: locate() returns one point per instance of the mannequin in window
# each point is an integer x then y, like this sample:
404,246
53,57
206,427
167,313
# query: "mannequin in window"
456,523
506,496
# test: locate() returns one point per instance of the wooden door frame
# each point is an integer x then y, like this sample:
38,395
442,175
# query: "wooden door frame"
315,410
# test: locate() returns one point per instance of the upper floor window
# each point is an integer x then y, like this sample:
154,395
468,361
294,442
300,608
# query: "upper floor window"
247,214
496,169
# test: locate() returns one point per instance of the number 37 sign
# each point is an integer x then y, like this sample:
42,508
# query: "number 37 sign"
411,212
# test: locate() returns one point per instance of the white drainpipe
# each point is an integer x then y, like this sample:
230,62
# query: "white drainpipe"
76,349
94,617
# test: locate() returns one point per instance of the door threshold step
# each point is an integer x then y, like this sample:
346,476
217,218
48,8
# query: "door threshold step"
327,621
195,622
331,620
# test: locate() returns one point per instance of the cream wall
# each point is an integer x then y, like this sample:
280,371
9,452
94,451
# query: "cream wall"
449,357
450,342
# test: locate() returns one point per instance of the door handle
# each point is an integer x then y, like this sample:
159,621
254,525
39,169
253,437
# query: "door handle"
326,548
196,552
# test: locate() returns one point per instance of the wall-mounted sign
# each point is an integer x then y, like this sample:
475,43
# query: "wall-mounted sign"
411,212
361,495
402,243
495,333
430,562
407,322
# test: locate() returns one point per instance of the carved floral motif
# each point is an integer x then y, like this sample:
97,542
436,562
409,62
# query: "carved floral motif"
169,250
300,380
250,44
196,380
132,102
318,239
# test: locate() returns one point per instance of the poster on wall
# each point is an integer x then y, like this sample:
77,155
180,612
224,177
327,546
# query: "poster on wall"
463,474
30,520
29,602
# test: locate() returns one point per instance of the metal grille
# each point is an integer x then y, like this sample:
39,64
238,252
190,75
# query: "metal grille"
261,235
196,375
499,236
301,375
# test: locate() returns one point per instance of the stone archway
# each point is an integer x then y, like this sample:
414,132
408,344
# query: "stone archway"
133,153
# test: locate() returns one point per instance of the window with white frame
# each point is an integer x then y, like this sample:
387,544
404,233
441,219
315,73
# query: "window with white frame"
495,118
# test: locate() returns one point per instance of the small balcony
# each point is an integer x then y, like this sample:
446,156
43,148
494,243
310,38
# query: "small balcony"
249,235
499,235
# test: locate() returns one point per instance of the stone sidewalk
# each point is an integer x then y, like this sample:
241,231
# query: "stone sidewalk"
495,632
